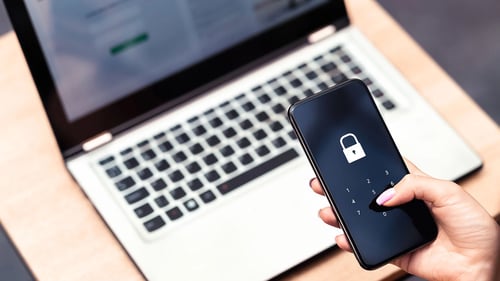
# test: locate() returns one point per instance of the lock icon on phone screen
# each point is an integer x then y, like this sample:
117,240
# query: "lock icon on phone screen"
353,152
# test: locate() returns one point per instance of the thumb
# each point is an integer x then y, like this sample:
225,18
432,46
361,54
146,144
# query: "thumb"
413,186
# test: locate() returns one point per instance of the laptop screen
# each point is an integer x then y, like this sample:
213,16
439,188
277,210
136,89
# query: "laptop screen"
102,51
102,57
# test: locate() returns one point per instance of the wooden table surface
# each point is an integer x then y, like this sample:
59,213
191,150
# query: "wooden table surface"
62,237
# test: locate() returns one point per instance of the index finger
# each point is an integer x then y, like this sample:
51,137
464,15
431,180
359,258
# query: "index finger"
316,186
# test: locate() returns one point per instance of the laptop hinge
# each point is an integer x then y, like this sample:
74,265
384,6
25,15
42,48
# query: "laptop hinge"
321,34
97,141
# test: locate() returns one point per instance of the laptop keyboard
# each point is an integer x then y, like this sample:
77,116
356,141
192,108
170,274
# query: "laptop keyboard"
181,171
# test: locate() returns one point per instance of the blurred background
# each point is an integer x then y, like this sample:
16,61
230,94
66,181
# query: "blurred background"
463,36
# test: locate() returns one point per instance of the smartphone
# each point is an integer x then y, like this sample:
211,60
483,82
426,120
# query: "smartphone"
355,159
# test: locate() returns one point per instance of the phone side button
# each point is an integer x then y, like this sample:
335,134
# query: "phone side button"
257,171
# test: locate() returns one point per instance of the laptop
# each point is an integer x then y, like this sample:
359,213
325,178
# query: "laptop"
171,116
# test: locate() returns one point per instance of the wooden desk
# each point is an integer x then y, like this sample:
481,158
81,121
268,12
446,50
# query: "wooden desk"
63,238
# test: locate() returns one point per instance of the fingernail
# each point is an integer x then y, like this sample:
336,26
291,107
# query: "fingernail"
385,196
310,181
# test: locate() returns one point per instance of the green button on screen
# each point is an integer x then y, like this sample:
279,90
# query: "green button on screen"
143,37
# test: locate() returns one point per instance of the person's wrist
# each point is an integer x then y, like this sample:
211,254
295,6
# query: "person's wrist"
485,266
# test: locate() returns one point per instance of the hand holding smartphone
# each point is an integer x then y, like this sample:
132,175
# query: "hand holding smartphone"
355,160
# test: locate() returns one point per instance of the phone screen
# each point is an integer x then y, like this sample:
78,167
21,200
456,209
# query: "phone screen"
355,159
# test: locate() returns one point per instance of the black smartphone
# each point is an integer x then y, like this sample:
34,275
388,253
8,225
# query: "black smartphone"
355,160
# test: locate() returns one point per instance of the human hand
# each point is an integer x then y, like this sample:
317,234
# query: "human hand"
468,240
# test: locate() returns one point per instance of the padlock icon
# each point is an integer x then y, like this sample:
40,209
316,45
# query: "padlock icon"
353,152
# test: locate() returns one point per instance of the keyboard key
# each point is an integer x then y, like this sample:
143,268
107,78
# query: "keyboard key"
161,201
244,142
227,150
356,70
193,119
229,167
207,196
264,98
179,156
377,93
210,159
224,104
107,160
279,142
292,135
143,143
144,173
388,105
158,184
162,165
216,122
174,213
196,148
259,170
176,176
159,136
336,49
259,134
280,91
191,205
257,88
153,224
276,126
199,130
248,106
262,116
208,112
175,128
278,108
296,83
240,96
143,210
328,67
193,167
165,146
367,81
318,58
345,58
131,163
182,138
213,140
137,195
212,176
311,75
245,159
262,150
125,183
308,92
229,132
126,151
195,184
232,114
322,86
293,99
339,78
113,172
271,81
246,124
177,193
148,154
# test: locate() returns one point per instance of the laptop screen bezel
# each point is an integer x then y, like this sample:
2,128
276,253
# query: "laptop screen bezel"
138,106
